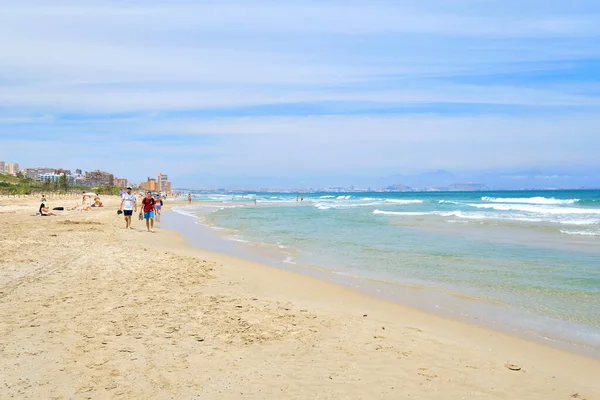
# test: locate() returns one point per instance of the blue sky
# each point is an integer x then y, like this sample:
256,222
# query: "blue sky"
241,92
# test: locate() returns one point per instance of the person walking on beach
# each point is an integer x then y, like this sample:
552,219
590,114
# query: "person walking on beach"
190,198
158,206
128,206
148,207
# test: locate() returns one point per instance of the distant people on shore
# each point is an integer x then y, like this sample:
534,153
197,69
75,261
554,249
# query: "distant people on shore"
190,198
128,206
159,203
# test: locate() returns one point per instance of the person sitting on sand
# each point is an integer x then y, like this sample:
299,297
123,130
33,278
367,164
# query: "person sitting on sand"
44,211
83,207
43,199
97,202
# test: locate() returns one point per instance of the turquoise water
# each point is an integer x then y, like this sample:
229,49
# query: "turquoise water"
535,252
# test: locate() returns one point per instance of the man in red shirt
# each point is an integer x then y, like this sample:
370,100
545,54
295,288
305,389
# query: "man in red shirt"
148,207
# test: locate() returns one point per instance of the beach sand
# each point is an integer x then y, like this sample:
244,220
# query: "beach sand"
89,310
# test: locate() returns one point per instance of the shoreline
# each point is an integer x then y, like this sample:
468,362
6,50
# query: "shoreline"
94,311
477,311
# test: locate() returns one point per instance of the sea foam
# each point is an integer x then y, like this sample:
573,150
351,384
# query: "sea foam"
406,213
395,201
580,233
539,209
530,200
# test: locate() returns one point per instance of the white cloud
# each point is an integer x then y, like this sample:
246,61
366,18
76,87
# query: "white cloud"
295,145
464,18
153,59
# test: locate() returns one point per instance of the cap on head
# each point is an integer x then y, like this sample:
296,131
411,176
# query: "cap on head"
128,187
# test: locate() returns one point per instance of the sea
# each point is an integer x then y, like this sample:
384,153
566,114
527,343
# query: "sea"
525,262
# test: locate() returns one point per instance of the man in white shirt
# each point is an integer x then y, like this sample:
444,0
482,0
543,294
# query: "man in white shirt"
128,206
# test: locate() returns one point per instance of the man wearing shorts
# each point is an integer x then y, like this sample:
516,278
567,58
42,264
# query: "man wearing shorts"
128,206
148,207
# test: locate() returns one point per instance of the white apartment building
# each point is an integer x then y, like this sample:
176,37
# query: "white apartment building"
56,178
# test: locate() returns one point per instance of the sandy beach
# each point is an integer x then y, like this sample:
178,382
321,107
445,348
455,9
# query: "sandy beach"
89,310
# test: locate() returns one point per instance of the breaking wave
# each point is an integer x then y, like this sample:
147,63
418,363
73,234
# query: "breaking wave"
530,200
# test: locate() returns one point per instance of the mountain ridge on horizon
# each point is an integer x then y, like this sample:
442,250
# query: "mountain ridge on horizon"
440,179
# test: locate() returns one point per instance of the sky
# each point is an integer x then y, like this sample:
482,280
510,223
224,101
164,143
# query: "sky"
221,93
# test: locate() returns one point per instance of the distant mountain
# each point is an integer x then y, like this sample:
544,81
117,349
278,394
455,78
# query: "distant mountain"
434,180
540,179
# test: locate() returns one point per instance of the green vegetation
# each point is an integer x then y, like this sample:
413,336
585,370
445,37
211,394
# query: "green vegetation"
14,185
108,190
10,179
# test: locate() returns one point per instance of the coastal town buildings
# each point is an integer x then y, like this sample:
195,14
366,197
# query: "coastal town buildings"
61,171
56,178
35,173
95,178
150,185
162,182
80,180
10,168
120,182
13,168
99,178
